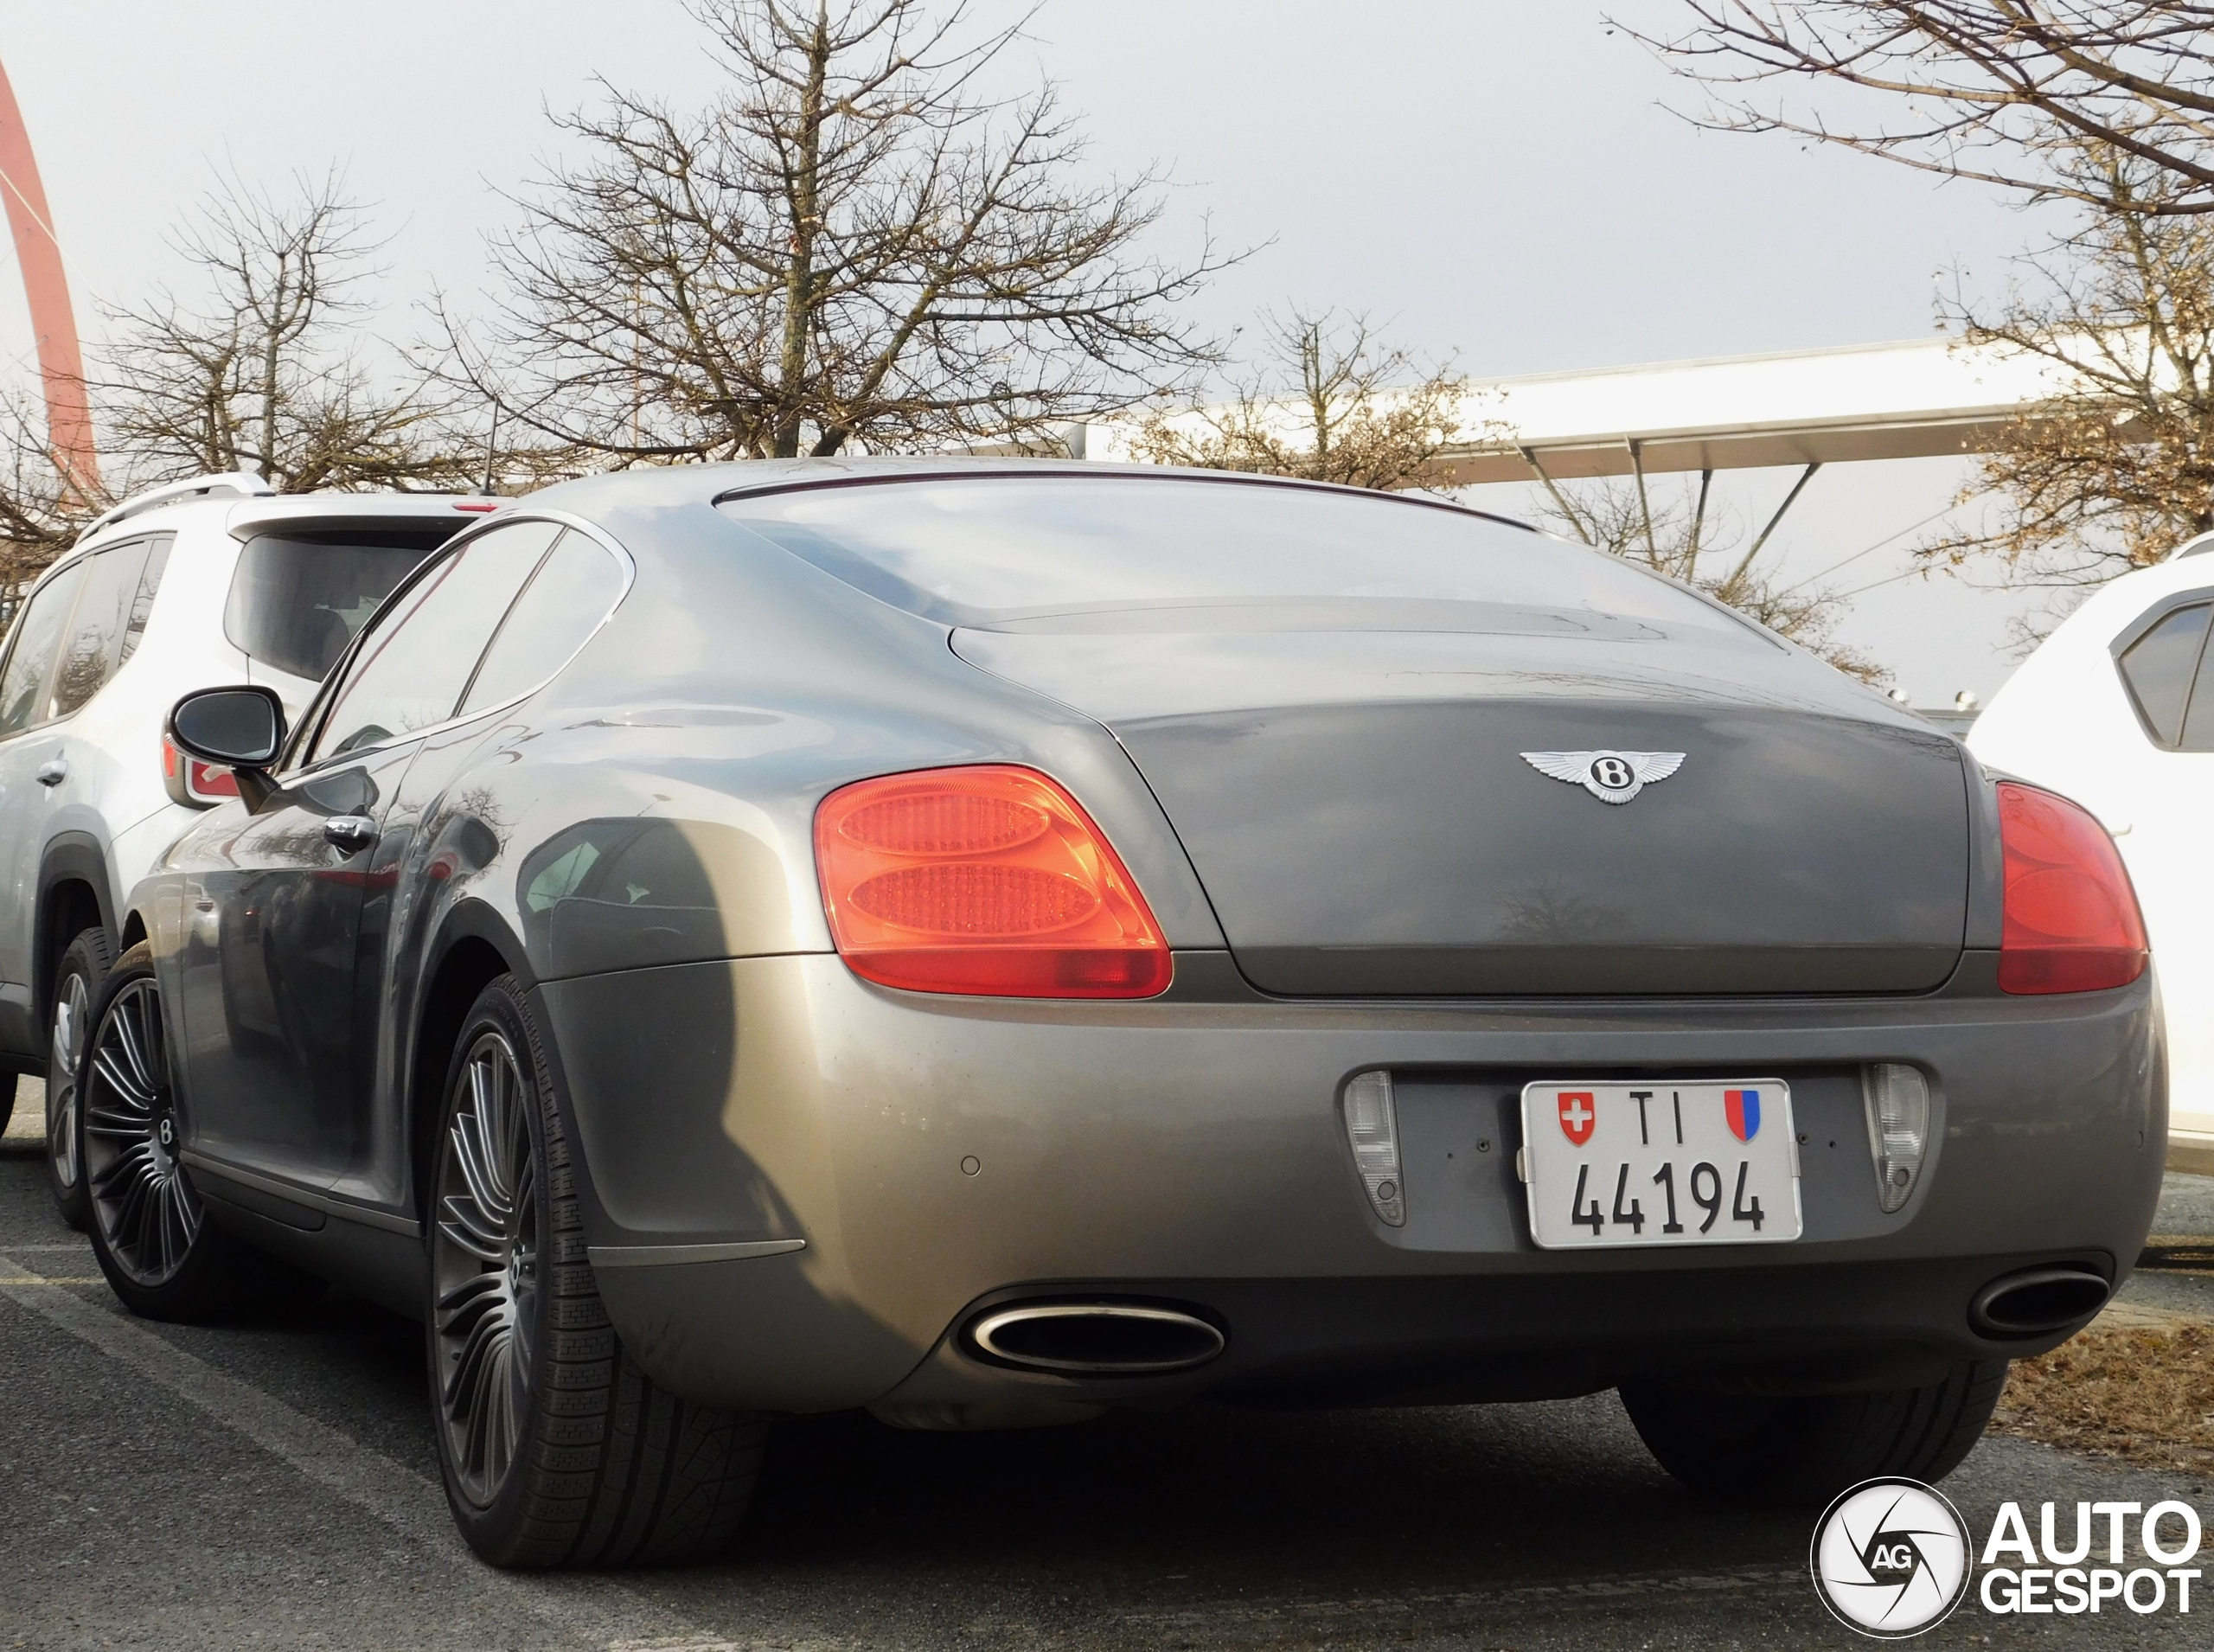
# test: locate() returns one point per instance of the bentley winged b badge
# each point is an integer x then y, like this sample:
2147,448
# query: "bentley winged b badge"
1611,777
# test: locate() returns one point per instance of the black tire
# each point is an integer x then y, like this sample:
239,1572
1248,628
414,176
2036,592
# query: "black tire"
555,1448
161,1254
77,981
1802,1451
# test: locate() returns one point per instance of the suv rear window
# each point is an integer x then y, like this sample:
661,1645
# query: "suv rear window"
296,599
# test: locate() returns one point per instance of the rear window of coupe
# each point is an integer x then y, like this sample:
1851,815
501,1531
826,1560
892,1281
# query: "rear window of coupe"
996,551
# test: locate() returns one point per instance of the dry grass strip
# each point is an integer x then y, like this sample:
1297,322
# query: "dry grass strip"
2142,1393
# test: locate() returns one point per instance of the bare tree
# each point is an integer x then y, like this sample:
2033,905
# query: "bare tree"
2114,472
266,371
850,245
1328,401
1998,91
2109,108
1704,549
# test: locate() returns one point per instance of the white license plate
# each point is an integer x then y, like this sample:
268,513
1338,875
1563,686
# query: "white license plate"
1608,1165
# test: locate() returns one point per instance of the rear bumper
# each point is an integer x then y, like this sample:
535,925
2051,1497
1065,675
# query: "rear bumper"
939,1157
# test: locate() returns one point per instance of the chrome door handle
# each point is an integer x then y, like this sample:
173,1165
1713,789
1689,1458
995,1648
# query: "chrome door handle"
352,833
53,772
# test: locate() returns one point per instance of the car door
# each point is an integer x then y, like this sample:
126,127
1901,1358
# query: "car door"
27,746
2165,799
276,902
442,828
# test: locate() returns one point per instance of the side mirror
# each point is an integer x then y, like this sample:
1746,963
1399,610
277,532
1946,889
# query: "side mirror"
241,729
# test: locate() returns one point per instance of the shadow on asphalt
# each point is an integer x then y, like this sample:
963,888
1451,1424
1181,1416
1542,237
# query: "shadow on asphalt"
1407,1492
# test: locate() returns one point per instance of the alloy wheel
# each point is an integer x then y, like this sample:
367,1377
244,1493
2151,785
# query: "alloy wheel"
71,1011
485,1255
147,1213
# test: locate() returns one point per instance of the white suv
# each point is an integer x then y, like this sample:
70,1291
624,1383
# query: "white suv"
213,581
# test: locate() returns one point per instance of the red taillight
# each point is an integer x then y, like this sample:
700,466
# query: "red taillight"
478,505
2072,923
190,781
989,879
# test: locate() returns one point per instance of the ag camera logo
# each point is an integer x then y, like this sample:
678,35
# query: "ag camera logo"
1891,1558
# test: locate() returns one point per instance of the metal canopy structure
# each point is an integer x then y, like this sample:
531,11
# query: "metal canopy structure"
1920,399
1916,399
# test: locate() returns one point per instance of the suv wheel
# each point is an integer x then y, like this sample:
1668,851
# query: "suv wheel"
555,1448
85,965
161,1254
1802,1451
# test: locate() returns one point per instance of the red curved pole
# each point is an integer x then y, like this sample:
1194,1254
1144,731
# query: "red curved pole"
46,286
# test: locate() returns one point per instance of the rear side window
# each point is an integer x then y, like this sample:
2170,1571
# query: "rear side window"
94,647
2163,671
38,639
412,670
563,605
142,605
2198,715
296,603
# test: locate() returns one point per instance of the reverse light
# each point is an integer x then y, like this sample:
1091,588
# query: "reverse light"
989,879
2072,922
1897,1098
1372,1129
192,783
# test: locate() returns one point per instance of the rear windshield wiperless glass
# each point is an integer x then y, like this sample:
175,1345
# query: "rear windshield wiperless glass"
297,602
994,550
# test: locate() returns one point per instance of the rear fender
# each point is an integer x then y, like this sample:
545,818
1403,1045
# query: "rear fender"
474,946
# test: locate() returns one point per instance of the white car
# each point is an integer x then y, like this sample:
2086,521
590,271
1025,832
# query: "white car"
2116,710
213,581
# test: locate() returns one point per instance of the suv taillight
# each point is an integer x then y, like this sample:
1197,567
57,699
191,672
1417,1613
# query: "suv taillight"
195,784
2072,922
989,879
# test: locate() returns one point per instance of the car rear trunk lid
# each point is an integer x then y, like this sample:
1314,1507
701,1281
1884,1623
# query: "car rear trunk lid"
1363,816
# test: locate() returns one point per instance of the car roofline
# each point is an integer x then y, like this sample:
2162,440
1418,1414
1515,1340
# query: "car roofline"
882,471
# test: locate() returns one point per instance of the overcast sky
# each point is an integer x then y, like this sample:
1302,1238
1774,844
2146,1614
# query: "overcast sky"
1494,181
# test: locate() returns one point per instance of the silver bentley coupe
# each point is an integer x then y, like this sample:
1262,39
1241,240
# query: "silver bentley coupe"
991,942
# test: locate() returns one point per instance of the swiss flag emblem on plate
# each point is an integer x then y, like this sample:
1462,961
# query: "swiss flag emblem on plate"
1578,1117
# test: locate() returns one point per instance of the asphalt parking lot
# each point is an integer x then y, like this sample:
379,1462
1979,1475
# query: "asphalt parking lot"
273,1485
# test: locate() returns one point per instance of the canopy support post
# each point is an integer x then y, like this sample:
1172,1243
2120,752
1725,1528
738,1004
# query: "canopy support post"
1530,457
1746,566
1698,522
1644,504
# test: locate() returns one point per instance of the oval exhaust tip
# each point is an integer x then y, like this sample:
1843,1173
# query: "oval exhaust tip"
1096,1338
2037,1301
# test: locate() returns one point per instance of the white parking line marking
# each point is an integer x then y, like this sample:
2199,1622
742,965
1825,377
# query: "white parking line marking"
592,1608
